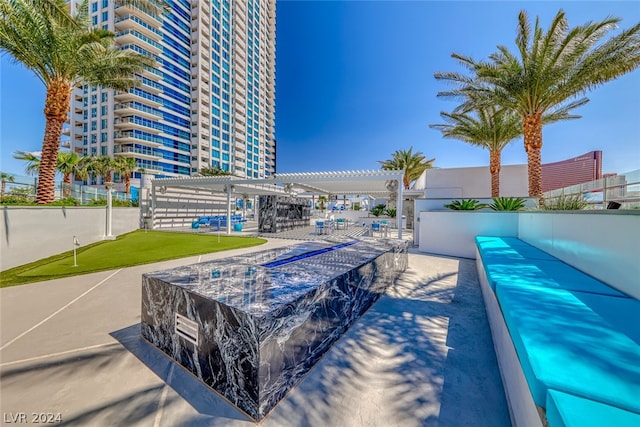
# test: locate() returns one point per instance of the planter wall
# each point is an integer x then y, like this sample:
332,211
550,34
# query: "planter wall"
603,244
31,233
452,232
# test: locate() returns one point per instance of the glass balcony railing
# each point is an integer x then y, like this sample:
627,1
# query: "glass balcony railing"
139,107
144,95
140,22
612,192
139,121
141,37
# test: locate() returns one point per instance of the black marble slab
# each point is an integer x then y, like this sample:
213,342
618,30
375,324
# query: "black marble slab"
251,330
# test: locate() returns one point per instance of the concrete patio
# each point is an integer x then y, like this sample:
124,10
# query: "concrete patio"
421,356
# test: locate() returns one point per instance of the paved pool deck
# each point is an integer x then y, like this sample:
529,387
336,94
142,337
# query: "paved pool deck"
421,356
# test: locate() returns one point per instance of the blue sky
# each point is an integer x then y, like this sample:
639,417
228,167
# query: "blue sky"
355,83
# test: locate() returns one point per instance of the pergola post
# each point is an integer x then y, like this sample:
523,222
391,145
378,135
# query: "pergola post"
229,209
153,204
399,208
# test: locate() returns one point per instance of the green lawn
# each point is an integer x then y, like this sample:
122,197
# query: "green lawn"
134,248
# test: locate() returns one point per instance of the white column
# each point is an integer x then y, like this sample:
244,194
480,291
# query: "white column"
399,208
109,186
153,204
228,209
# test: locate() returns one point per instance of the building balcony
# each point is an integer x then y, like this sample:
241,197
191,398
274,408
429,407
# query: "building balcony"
130,108
128,137
137,95
151,86
134,123
123,9
133,22
152,74
138,153
239,99
239,42
133,37
239,61
240,112
240,23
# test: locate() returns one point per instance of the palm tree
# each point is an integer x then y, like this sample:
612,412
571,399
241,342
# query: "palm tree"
413,164
322,200
213,171
68,163
63,50
4,178
33,161
125,166
100,167
550,74
489,128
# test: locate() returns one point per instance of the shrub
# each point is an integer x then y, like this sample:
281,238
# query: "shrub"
565,203
507,203
17,200
465,205
116,203
378,210
67,201
356,207
391,212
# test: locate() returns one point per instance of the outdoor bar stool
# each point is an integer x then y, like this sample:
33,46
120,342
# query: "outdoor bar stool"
341,224
384,227
320,227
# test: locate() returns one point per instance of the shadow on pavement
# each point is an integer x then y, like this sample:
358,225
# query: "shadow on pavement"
202,398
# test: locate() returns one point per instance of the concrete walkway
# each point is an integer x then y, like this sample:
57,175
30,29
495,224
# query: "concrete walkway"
421,356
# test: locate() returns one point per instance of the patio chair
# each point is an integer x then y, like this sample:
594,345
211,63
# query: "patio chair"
320,227
376,228
341,224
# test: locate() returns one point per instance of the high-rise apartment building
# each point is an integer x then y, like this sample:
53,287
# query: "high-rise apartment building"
209,100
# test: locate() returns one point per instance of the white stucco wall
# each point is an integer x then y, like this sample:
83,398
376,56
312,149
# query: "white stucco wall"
474,182
453,232
605,245
437,204
32,233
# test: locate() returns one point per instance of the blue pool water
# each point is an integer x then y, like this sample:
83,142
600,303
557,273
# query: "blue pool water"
307,255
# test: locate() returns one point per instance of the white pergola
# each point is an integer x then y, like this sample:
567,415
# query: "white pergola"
371,182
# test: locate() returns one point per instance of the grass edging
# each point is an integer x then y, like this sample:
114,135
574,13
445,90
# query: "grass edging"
18,275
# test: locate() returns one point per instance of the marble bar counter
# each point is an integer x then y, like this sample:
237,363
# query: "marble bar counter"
251,326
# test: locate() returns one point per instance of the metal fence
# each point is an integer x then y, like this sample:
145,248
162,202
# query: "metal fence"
612,192
85,194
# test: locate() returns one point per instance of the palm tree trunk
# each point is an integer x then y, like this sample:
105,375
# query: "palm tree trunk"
406,182
127,184
494,169
66,181
532,129
55,112
4,184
